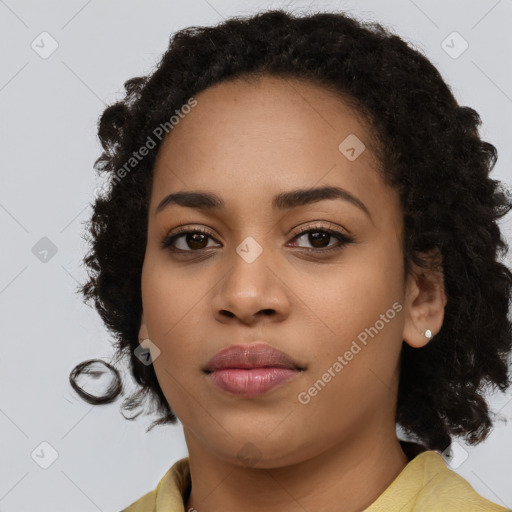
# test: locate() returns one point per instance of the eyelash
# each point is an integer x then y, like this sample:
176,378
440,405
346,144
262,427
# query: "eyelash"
184,230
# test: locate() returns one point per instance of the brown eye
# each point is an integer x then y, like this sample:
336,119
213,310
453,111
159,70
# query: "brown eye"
188,240
319,239
196,240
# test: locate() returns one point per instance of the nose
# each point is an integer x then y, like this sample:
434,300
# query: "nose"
252,292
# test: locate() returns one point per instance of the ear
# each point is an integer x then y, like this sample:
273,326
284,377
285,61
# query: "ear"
143,330
425,300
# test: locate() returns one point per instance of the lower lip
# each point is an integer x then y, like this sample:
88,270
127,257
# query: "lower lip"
250,382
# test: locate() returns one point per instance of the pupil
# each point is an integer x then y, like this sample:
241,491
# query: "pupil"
192,240
318,237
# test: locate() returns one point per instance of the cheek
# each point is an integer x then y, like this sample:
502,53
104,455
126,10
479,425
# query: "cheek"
361,321
170,296
172,305
355,294
354,371
170,312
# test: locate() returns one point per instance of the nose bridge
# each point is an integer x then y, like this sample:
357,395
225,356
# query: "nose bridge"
253,236
250,285
250,263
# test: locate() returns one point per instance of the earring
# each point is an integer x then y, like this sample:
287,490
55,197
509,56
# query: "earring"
428,334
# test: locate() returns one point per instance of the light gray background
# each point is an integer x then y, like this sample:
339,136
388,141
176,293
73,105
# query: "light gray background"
48,110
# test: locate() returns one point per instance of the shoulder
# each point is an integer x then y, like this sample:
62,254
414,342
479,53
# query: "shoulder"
426,483
169,494
450,490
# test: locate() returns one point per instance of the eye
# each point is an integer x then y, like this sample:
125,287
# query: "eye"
196,239
320,236
193,238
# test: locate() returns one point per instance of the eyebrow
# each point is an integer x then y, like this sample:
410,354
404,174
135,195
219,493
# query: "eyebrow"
282,201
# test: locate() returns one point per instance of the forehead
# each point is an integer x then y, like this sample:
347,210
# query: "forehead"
263,136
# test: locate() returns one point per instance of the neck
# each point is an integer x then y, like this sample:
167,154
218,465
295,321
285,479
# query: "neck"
349,477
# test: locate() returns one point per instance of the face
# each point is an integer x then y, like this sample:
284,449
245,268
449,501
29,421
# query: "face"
317,277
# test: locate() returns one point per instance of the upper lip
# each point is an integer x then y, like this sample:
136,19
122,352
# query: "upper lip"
254,355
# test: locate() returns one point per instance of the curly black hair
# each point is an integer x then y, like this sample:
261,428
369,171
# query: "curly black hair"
429,149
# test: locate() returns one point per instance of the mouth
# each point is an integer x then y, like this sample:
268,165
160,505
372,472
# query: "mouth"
251,370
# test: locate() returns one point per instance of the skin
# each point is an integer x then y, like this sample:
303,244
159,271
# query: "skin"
246,142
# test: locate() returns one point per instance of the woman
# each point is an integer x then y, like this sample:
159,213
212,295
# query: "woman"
299,250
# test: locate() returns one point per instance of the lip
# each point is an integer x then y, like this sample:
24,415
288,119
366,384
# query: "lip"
253,355
251,370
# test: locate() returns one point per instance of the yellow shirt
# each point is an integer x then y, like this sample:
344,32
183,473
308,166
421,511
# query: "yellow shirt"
426,484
